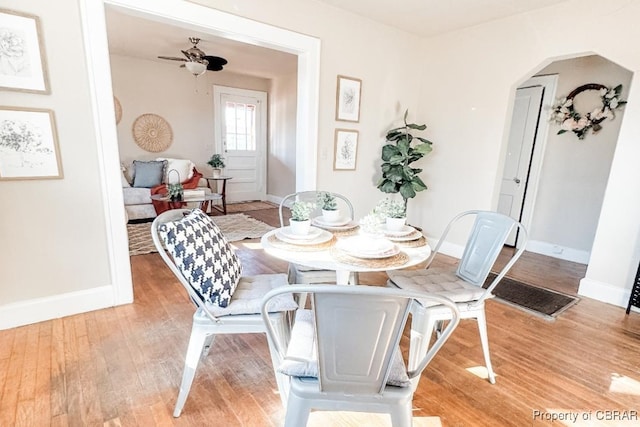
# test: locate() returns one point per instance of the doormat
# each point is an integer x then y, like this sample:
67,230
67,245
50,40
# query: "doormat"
234,227
539,301
249,206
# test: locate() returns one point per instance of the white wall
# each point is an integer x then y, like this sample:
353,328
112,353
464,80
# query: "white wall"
575,172
470,77
185,102
281,166
53,231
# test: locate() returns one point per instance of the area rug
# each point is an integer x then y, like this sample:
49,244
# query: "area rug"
249,206
539,301
235,227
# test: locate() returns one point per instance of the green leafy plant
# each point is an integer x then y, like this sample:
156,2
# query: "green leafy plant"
301,211
397,156
216,161
327,201
389,208
175,192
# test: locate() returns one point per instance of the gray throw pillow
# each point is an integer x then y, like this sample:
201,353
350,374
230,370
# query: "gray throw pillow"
148,174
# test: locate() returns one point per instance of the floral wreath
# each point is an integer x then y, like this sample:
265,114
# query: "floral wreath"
569,119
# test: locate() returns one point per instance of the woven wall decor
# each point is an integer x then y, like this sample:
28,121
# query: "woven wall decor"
152,133
118,108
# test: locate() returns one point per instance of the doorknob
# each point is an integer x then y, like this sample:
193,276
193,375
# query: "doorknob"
516,180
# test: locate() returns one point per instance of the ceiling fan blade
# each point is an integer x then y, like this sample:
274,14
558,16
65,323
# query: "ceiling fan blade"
215,62
172,58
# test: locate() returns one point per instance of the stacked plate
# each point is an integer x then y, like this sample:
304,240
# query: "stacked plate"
368,247
406,234
341,224
314,237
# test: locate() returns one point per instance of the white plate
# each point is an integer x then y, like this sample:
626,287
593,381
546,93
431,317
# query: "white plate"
319,220
348,226
367,247
322,237
406,229
415,235
287,233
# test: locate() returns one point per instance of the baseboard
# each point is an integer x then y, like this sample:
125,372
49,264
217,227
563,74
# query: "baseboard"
604,292
447,248
274,199
47,308
560,252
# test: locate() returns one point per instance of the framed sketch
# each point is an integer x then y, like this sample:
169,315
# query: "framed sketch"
348,99
346,148
22,65
28,144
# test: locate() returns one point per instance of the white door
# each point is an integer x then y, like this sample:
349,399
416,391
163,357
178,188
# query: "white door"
241,135
526,111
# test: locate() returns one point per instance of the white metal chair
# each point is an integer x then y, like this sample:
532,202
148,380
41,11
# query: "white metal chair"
344,352
306,275
241,315
464,285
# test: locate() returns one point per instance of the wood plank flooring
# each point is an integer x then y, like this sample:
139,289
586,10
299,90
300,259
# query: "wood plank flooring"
122,366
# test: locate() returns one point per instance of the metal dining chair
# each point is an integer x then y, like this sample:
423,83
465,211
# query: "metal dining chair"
464,285
306,275
344,353
227,302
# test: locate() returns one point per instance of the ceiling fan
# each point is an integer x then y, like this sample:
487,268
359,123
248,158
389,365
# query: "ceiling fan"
194,56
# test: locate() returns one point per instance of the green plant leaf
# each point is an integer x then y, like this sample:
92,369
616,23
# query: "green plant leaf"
426,141
423,148
388,187
416,127
418,184
389,151
407,191
397,159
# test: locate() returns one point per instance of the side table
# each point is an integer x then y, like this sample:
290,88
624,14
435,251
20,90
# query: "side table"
222,191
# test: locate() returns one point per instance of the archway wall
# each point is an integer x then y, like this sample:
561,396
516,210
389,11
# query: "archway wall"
469,80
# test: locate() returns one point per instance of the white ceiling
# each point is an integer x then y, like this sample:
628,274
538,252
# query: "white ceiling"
146,39
431,17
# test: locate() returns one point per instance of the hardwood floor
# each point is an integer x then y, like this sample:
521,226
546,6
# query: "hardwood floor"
122,366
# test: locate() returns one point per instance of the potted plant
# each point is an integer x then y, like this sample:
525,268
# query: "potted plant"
397,156
329,206
175,192
394,213
217,163
300,222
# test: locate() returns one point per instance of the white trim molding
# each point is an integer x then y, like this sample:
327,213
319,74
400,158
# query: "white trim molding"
604,292
557,251
56,306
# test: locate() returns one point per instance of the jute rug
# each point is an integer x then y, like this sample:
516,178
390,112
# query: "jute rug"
249,206
235,227
539,301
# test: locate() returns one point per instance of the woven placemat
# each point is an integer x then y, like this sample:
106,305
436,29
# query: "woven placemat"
277,243
393,261
422,241
344,233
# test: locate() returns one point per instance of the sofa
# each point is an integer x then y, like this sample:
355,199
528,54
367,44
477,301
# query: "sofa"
141,177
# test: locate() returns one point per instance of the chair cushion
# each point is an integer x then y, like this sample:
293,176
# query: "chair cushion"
148,174
203,256
438,281
301,358
248,296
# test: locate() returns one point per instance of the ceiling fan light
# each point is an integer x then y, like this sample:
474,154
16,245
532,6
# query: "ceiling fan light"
196,68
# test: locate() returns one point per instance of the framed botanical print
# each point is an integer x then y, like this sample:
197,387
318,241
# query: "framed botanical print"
348,99
346,148
22,63
28,144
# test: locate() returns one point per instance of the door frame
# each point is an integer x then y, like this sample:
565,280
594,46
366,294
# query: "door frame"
218,90
549,82
94,33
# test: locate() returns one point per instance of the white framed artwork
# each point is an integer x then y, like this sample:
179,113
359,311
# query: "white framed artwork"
348,99
346,149
22,58
28,144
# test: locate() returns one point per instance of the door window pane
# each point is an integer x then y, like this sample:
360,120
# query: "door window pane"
240,126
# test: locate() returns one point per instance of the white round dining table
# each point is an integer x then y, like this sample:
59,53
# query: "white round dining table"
323,259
